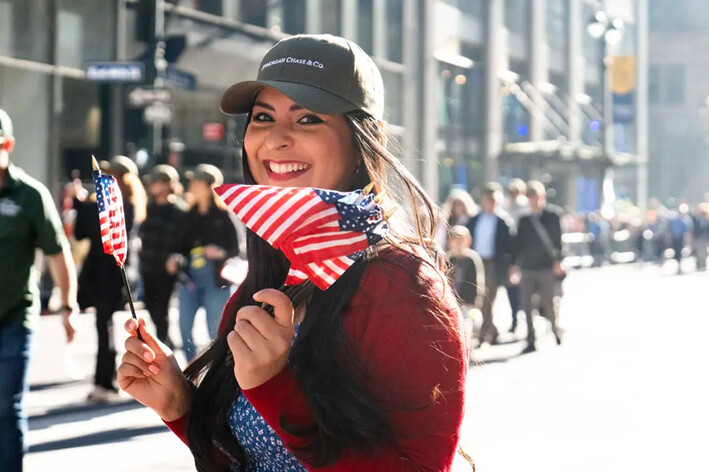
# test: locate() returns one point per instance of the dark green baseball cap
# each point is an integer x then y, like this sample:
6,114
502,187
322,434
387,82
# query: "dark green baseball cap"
323,73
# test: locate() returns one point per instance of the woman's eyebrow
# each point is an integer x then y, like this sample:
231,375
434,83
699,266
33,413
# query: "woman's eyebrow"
294,107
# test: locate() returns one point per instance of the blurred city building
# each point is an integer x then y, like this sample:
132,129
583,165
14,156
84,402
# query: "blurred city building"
477,90
679,100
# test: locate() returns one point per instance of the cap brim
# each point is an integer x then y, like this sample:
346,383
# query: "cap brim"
239,98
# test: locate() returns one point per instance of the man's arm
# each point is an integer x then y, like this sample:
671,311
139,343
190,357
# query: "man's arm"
63,272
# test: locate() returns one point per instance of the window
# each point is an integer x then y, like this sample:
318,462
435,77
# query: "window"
365,25
471,7
516,15
331,16
294,16
556,23
394,31
674,90
254,12
653,90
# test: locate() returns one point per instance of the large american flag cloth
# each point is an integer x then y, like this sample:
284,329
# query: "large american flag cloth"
321,232
110,215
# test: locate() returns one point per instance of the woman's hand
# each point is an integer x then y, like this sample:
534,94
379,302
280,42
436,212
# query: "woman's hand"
260,343
150,374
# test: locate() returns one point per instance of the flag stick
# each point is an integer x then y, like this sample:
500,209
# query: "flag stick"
130,299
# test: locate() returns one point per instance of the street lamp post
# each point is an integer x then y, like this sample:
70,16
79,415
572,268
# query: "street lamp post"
609,31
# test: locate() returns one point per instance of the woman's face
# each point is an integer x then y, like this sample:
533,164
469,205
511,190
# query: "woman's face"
290,146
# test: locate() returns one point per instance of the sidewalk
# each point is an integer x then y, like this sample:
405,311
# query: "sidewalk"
66,430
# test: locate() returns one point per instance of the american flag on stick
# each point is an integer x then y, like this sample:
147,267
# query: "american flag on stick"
110,214
321,232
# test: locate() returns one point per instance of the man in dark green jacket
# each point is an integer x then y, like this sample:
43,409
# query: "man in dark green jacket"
28,221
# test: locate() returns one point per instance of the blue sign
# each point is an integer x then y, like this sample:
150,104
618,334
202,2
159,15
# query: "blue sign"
115,71
179,78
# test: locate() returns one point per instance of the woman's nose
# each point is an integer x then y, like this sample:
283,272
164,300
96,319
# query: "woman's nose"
279,136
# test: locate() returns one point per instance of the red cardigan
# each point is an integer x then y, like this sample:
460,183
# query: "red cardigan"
404,326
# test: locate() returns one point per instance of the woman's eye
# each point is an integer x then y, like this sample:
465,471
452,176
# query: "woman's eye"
262,117
310,120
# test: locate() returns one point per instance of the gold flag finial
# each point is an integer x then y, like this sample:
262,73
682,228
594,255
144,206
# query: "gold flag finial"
390,213
380,197
368,188
94,163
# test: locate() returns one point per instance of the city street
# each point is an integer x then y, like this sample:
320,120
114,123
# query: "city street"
624,392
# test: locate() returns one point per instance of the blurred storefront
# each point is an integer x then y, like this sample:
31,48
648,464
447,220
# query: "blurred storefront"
477,90
521,95
170,112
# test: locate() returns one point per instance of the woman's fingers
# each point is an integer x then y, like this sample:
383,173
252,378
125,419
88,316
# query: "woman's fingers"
140,349
251,336
129,370
282,306
154,346
141,363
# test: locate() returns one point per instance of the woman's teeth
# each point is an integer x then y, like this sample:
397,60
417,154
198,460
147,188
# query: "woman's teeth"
286,168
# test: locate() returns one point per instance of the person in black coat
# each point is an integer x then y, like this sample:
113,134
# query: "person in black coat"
159,235
490,230
100,281
538,257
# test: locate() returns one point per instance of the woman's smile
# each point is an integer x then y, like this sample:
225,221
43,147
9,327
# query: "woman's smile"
284,170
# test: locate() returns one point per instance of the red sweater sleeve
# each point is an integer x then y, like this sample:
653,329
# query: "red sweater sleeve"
403,326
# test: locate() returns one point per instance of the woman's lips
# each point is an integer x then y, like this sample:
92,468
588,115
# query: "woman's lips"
281,171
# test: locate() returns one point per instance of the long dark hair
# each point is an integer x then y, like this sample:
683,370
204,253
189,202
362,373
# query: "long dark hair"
345,413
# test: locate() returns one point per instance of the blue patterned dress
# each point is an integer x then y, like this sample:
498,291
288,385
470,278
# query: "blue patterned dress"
264,449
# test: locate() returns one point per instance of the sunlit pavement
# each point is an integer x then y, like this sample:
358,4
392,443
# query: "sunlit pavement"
626,391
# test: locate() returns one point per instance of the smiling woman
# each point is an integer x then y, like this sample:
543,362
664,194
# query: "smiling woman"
326,383
290,146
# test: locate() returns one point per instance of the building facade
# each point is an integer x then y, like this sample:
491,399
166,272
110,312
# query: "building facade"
476,90
679,100
521,95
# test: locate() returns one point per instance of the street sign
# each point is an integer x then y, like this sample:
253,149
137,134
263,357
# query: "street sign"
115,71
141,97
178,78
157,113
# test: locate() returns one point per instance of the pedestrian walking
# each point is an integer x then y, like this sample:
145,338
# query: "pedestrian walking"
701,235
458,209
29,220
207,240
538,256
516,204
160,237
680,228
490,230
329,383
100,280
468,274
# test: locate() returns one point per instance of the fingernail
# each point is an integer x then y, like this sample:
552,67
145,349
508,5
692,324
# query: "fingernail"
147,373
153,368
131,324
148,357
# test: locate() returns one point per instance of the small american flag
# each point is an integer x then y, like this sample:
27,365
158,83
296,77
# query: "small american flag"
111,218
321,232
